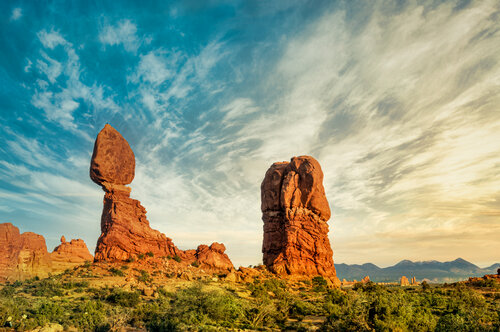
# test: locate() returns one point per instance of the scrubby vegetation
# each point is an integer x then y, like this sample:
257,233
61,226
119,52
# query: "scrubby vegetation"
259,305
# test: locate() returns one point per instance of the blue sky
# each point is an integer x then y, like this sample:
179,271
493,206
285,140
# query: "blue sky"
398,100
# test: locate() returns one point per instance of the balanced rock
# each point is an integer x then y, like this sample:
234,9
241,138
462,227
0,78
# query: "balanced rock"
125,230
70,254
113,161
295,212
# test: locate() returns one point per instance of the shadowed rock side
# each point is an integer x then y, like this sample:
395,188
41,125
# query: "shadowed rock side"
25,255
125,230
295,214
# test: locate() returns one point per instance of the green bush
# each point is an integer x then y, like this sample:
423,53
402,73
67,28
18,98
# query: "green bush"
116,272
123,298
150,254
195,264
144,276
177,258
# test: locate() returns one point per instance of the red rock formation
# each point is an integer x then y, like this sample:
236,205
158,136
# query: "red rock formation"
295,214
25,255
213,257
125,230
70,254
113,160
22,255
365,280
404,281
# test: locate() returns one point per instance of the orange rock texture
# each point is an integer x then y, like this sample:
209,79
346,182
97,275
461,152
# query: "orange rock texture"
125,230
22,255
25,255
70,254
295,212
404,281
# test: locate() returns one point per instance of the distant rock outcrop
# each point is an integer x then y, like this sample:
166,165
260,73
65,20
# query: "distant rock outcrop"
404,281
25,255
22,255
295,212
365,280
125,230
70,254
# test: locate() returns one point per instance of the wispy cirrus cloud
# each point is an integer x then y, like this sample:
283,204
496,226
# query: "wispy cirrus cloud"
16,14
123,33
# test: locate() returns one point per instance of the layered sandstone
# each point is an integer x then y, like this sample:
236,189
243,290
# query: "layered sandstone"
22,255
295,212
125,230
70,254
25,255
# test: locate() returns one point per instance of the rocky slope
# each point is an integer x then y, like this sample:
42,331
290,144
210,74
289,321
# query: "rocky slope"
295,212
125,230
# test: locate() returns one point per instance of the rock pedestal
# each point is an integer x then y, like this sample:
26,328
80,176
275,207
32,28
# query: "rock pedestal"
295,212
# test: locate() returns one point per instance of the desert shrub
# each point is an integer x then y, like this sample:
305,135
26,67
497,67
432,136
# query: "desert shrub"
7,291
124,267
140,256
47,287
87,264
144,276
195,264
197,307
150,254
123,298
319,284
177,258
75,285
116,272
300,308
48,312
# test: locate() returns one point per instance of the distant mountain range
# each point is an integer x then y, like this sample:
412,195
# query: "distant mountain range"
434,271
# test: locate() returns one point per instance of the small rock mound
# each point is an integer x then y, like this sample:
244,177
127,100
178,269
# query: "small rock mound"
70,254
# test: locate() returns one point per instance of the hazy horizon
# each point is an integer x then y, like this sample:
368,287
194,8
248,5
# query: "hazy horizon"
398,101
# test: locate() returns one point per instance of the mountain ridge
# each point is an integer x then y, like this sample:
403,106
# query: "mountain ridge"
432,270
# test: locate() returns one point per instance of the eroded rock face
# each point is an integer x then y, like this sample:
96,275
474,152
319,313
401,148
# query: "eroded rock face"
25,255
125,230
70,254
295,212
22,255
